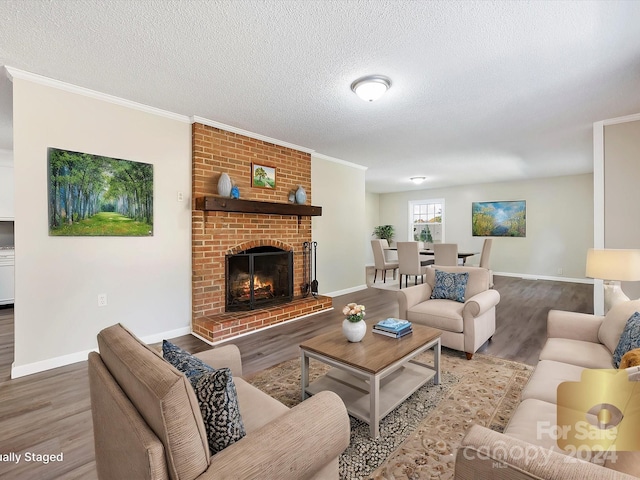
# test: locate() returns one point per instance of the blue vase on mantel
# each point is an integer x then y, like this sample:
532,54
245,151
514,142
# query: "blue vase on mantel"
301,195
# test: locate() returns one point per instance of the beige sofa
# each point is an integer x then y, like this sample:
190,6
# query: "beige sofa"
528,448
465,326
147,423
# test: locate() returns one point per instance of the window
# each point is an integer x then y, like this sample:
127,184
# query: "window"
426,220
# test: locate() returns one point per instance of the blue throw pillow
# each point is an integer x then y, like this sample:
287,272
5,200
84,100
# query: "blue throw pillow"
216,395
450,286
629,340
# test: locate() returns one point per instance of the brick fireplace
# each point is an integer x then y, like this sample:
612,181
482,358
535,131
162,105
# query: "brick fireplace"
216,234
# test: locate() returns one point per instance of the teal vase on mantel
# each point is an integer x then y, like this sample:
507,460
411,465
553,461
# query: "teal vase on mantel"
301,195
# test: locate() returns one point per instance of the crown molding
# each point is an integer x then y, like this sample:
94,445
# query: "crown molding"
628,118
246,133
13,73
321,156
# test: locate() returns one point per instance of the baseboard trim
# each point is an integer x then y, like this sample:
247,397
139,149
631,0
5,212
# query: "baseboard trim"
56,362
158,337
526,276
48,364
337,293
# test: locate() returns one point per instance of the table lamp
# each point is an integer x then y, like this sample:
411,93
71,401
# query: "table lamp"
613,266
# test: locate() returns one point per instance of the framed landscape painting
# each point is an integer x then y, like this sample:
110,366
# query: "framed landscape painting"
499,219
263,176
92,195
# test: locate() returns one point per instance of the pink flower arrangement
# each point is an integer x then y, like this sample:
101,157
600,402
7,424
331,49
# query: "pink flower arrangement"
354,312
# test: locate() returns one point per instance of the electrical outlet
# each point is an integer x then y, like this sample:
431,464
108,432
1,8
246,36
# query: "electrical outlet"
180,197
102,299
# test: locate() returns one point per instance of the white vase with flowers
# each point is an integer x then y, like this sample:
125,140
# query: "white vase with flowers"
354,327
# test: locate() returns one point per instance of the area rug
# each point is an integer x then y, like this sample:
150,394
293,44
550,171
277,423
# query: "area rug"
390,284
418,440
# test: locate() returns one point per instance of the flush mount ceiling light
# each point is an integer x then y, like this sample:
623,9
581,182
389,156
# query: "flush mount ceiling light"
418,180
371,88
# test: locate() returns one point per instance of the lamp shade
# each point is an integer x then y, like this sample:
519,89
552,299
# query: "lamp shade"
613,264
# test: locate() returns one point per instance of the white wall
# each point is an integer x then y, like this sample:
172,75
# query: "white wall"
147,280
559,223
372,215
7,202
338,187
621,170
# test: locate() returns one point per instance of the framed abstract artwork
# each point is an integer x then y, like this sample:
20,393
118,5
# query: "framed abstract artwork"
93,195
499,219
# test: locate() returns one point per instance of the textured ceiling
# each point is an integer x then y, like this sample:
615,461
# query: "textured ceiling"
481,91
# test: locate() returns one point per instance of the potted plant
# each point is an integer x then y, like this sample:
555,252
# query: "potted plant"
425,236
384,232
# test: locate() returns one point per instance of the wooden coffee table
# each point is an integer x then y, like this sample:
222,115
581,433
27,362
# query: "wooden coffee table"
375,375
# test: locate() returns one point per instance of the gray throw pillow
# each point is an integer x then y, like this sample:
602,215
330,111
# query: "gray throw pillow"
216,395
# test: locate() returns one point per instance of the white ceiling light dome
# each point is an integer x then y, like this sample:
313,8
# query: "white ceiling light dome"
371,87
418,180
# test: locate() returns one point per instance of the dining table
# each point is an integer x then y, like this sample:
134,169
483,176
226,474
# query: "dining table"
462,255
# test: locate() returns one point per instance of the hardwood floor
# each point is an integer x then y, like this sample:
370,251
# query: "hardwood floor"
521,315
49,412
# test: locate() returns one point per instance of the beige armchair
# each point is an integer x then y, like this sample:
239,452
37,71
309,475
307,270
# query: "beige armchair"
466,325
147,423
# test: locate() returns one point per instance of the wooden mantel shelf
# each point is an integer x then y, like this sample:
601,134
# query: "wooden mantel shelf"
223,204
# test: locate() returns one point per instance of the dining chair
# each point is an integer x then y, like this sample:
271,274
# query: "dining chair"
423,259
409,261
380,260
445,254
485,258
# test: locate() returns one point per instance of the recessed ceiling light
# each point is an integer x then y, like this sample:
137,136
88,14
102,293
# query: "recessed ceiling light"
418,180
371,88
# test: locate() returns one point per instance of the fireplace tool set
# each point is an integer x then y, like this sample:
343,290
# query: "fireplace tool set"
309,249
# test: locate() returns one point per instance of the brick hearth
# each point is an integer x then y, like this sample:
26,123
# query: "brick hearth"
216,234
225,325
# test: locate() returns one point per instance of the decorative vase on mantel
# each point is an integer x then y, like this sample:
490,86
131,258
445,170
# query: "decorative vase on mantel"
354,331
301,195
224,185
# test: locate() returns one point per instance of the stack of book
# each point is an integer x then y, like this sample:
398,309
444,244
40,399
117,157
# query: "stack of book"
393,327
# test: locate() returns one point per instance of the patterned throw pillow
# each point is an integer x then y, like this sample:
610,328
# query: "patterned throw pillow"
191,366
450,286
216,395
629,340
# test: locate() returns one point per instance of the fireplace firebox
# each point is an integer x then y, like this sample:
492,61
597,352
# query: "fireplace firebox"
257,278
